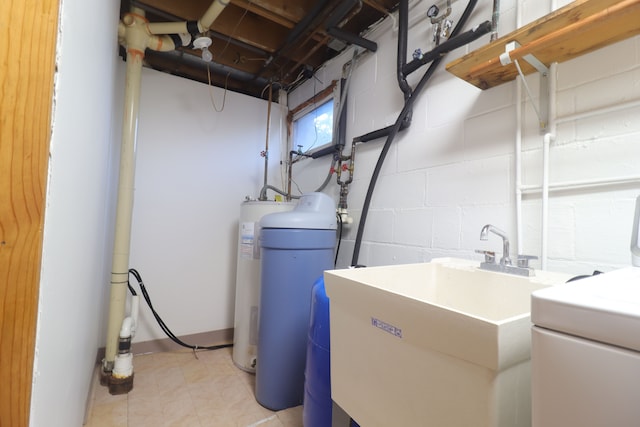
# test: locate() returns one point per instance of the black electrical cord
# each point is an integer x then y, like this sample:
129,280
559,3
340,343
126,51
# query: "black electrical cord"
394,131
163,326
339,217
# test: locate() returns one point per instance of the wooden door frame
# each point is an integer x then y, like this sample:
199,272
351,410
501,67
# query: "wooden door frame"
28,35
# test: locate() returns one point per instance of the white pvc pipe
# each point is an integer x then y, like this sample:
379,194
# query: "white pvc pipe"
204,23
168,27
581,184
211,14
546,144
136,42
547,140
135,310
134,32
518,149
160,43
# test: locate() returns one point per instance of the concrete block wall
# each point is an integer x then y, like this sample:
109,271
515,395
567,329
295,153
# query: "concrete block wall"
453,170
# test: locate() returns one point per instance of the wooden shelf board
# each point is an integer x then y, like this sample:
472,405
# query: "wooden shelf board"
576,29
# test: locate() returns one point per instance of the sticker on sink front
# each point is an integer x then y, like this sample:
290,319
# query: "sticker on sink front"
393,330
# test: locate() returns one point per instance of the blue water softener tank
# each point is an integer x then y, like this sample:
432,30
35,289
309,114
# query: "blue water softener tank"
317,410
296,248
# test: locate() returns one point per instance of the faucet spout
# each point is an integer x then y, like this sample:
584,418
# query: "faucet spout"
484,235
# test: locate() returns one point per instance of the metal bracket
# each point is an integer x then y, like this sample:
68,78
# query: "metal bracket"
543,110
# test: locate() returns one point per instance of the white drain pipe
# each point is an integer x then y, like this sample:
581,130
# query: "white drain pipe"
202,25
134,33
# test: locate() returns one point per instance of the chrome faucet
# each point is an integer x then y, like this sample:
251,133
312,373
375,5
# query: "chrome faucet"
484,235
522,268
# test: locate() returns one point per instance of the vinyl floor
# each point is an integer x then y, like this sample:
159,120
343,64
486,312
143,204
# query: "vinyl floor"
178,389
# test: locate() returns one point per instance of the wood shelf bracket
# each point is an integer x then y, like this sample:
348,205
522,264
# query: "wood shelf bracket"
543,110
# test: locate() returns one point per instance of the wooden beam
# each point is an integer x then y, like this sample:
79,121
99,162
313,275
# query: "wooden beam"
253,7
292,11
251,29
26,88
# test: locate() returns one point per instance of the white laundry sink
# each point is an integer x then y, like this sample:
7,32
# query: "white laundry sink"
435,344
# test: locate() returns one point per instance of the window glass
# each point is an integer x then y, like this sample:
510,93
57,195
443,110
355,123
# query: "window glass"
313,129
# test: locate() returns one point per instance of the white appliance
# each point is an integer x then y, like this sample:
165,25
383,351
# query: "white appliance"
585,349
245,336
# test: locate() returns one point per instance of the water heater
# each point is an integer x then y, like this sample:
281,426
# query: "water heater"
245,336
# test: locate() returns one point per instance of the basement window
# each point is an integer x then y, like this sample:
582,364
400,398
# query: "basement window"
312,122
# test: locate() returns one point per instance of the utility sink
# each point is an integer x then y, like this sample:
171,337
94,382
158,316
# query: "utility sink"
440,344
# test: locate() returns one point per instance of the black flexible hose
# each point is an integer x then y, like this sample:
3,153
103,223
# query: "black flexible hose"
394,131
163,326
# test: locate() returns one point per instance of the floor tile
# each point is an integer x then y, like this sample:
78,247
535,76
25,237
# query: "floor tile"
183,389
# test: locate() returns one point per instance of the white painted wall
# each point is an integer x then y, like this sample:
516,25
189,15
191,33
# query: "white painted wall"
194,168
444,178
453,170
78,217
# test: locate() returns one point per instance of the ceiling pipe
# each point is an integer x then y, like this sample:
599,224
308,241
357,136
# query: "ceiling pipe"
302,26
215,67
191,27
134,34
326,39
337,20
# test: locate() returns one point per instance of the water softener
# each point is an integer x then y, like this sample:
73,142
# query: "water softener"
296,247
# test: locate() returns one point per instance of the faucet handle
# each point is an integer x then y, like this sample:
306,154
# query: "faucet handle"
523,260
489,256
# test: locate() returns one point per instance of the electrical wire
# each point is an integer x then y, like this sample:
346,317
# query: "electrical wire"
235,28
224,95
224,49
163,326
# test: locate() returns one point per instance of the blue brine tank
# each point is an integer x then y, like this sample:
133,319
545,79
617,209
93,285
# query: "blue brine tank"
296,248
318,406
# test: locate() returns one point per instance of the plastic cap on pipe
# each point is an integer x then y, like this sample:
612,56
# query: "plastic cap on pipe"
125,329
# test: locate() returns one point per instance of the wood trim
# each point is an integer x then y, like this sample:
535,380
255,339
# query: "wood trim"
26,93
314,99
219,337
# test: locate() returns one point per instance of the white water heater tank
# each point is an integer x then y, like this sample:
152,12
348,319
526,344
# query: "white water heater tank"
245,336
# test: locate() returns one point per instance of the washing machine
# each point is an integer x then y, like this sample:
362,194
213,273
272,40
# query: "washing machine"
585,352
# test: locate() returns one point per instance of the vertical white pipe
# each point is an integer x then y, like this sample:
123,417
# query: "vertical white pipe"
136,40
549,137
518,166
518,149
266,142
